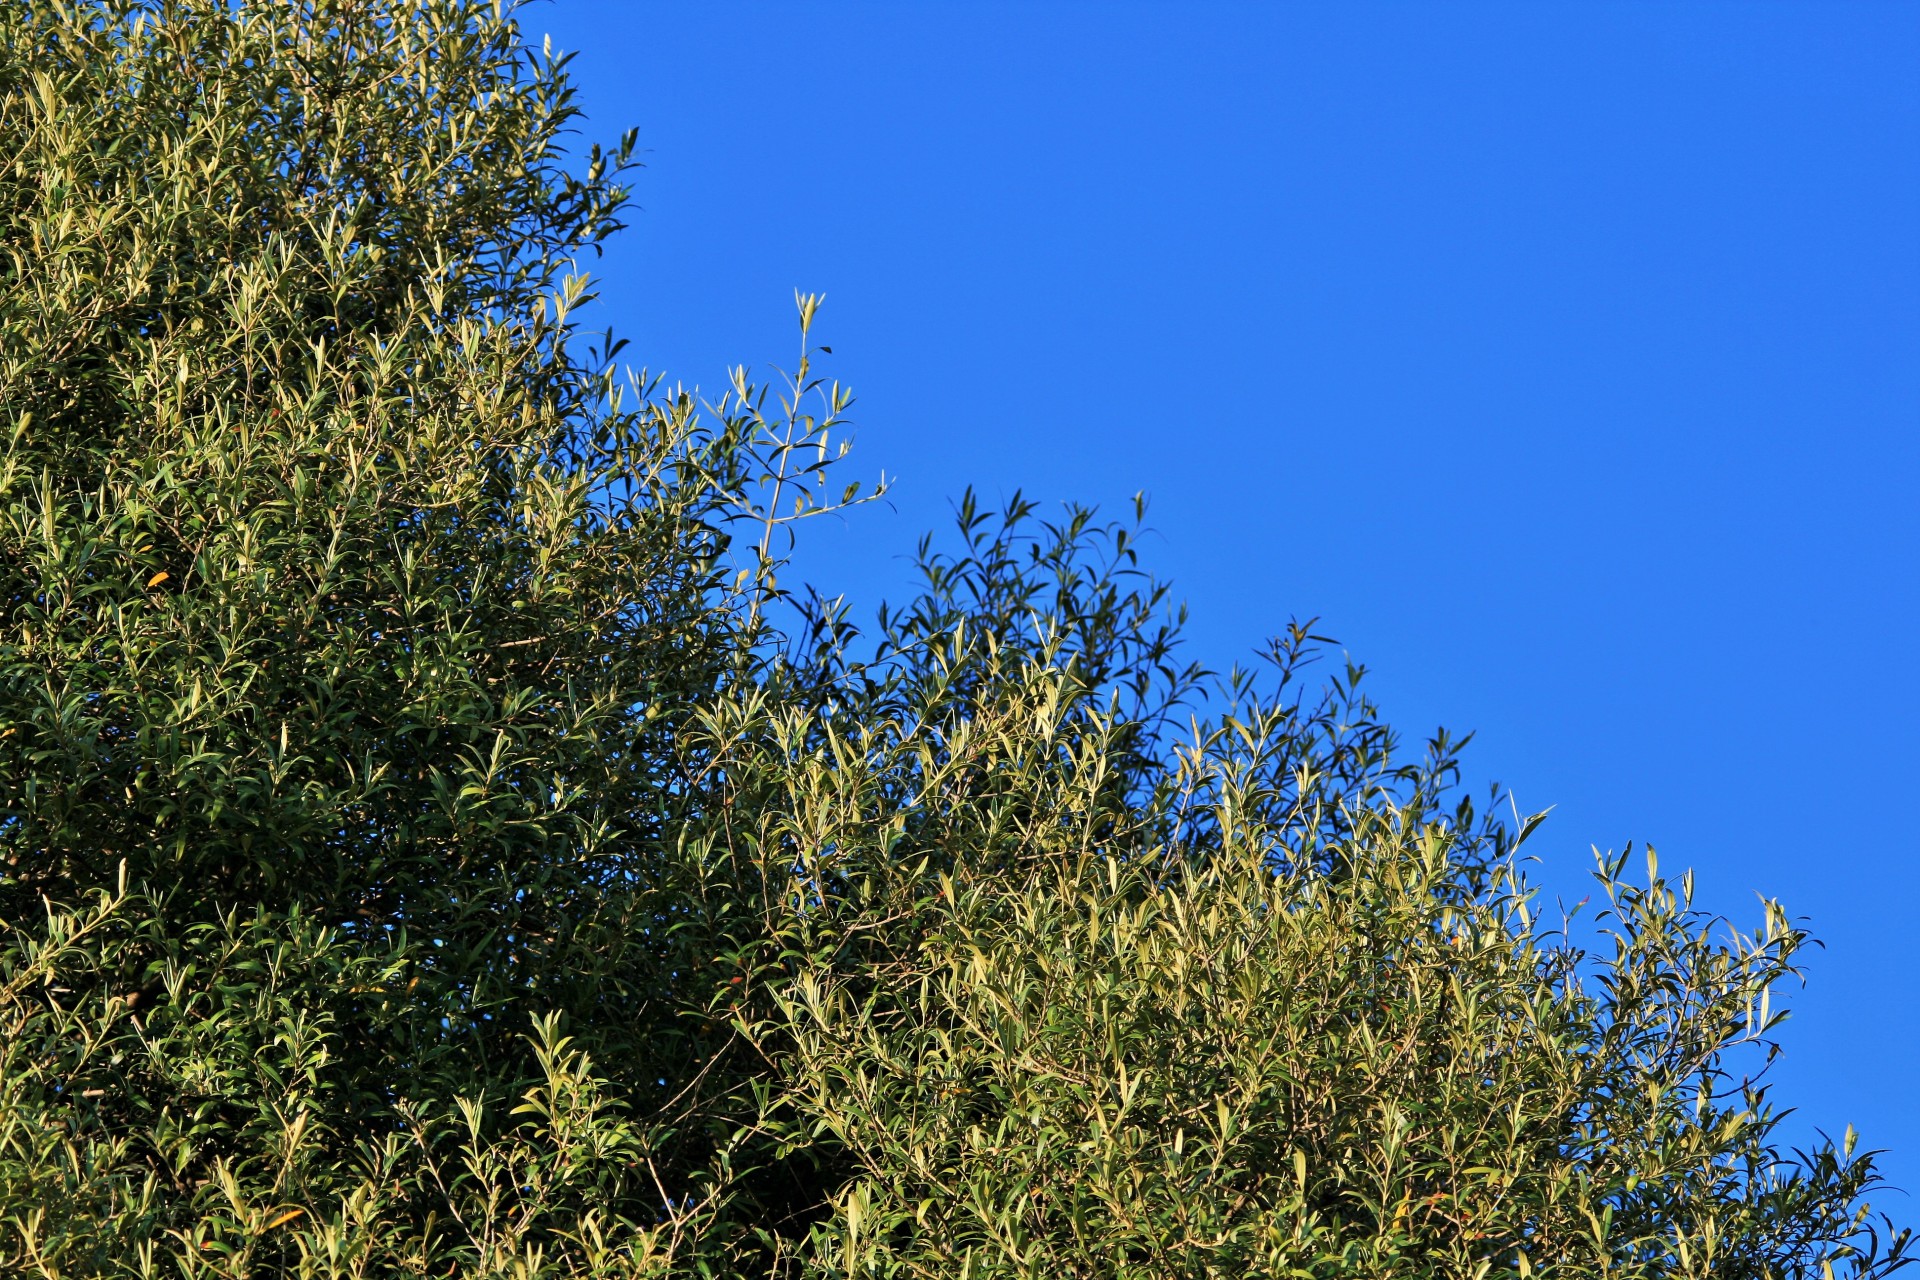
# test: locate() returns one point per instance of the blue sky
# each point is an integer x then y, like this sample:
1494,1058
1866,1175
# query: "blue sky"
1563,359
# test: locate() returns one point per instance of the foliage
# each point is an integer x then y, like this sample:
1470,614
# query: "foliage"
435,843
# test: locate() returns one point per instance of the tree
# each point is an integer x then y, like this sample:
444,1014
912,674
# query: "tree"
435,842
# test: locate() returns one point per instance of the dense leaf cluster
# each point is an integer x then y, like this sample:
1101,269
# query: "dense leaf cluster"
434,843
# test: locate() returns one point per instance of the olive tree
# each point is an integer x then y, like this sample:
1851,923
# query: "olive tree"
436,842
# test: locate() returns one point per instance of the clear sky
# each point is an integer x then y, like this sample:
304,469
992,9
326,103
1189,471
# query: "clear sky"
1564,359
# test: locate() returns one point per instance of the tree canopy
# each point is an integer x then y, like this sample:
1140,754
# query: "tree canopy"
435,842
